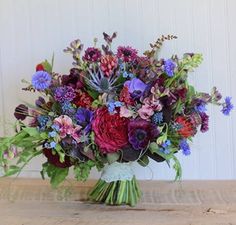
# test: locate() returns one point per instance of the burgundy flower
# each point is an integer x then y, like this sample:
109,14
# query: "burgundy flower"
205,121
141,132
54,159
92,55
111,131
21,112
74,79
127,54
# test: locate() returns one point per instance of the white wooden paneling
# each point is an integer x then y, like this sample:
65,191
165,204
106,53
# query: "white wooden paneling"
31,31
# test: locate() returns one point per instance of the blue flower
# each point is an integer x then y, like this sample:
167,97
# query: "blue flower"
157,118
42,120
169,67
112,106
128,75
227,106
41,80
55,127
52,134
185,147
84,118
165,147
53,144
67,108
201,108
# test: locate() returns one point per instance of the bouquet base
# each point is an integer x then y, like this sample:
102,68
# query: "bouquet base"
118,190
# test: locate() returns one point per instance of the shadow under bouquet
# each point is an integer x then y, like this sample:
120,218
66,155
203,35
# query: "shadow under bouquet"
114,108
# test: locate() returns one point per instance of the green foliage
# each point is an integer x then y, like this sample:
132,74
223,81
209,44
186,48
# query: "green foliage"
177,167
143,161
57,175
82,170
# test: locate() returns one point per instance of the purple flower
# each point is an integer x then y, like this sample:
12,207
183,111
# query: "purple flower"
200,106
65,93
141,132
165,147
92,55
41,80
227,106
127,54
169,67
84,118
183,144
40,102
204,123
136,87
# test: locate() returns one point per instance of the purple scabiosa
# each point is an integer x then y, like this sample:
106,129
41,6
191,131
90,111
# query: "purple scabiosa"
127,54
64,94
141,132
204,123
169,67
41,80
84,118
136,87
227,106
92,55
184,146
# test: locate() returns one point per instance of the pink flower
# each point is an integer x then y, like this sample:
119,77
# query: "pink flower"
66,127
125,112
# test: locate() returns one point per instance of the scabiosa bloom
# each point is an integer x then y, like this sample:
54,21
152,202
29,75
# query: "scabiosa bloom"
141,132
184,146
92,55
65,93
227,106
136,87
127,54
204,123
41,80
84,118
108,64
169,67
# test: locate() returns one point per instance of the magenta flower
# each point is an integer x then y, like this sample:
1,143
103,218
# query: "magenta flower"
92,55
127,54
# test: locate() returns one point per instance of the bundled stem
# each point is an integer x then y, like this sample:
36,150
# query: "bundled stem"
116,192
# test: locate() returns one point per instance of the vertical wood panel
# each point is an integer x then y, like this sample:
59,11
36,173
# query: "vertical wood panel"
32,30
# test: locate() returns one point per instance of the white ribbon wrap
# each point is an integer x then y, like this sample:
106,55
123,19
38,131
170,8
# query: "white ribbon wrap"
117,171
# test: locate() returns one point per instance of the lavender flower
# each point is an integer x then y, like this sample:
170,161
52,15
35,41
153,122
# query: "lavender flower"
227,106
136,87
41,80
84,118
183,144
169,67
65,93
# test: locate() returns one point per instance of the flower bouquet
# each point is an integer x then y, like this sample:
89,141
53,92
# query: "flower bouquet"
113,109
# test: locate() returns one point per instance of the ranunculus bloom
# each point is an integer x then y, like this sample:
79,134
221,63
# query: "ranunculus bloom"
141,132
111,131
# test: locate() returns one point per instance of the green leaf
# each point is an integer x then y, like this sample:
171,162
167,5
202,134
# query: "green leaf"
32,131
47,66
143,161
154,148
12,170
177,167
93,94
